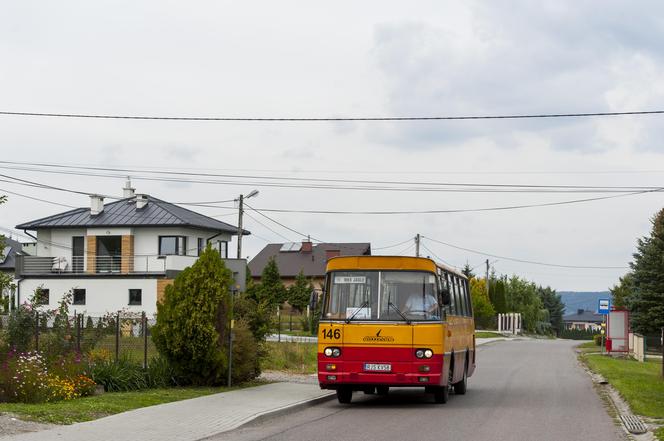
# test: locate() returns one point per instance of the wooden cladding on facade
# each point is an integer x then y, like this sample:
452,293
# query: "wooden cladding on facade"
91,259
161,288
127,257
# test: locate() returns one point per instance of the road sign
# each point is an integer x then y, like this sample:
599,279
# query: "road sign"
604,306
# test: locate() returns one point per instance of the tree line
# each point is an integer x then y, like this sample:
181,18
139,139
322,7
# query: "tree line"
641,290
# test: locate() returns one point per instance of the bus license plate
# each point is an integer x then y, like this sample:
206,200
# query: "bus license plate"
377,367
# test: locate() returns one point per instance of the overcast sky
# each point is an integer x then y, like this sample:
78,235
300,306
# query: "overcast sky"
343,58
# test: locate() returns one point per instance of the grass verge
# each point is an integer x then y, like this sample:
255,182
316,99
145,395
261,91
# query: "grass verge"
487,334
290,356
91,408
589,346
640,384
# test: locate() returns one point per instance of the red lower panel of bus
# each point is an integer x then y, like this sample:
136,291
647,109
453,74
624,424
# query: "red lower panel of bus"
380,366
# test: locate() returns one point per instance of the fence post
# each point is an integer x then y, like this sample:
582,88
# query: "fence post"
117,337
279,323
290,321
145,340
79,322
661,342
37,331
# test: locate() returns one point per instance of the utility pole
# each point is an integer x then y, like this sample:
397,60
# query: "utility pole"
487,277
239,226
417,245
239,221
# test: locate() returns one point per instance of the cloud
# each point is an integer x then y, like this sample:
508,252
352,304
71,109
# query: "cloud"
528,58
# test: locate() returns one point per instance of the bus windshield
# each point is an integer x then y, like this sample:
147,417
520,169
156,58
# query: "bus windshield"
381,295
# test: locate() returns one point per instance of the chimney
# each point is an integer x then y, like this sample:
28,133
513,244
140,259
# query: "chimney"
141,201
128,191
579,311
96,204
307,246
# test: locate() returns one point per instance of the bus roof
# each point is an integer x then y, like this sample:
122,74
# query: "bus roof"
341,263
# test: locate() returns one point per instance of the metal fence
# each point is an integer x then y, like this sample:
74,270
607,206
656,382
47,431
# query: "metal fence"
111,337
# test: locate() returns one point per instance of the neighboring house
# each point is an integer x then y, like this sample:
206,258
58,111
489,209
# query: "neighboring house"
116,256
293,257
8,260
583,320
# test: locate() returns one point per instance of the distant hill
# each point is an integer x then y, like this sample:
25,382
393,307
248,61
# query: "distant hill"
574,300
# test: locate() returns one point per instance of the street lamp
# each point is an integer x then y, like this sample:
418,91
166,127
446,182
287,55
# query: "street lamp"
239,222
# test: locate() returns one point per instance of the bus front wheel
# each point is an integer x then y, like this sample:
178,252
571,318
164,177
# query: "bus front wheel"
344,395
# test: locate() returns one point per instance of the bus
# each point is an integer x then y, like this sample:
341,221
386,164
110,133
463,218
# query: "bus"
392,321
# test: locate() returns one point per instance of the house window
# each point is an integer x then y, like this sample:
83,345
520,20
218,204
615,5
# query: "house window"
79,296
135,296
172,245
222,247
201,245
42,296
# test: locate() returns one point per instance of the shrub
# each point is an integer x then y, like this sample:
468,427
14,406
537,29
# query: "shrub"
598,339
21,328
246,354
122,376
578,334
160,374
192,321
258,315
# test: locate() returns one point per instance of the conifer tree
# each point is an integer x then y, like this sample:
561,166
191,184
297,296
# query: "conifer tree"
271,287
646,303
192,321
300,292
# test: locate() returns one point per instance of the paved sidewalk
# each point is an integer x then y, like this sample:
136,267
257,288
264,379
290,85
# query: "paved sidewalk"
192,419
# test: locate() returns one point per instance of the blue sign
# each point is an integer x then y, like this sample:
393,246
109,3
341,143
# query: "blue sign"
604,306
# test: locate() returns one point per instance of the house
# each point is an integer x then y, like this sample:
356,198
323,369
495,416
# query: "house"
8,256
583,320
293,257
115,256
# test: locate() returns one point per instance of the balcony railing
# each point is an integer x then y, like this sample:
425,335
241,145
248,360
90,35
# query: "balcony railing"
38,265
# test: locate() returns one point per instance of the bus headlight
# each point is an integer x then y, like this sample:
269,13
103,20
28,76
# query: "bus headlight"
332,352
423,353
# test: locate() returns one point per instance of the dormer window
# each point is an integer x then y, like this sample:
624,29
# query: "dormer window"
172,245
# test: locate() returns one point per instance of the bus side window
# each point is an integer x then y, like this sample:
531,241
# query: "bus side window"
469,302
453,295
462,297
458,308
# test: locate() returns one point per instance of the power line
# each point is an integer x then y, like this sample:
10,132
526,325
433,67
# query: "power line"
523,260
388,212
513,187
379,172
329,119
36,199
392,246
436,256
268,228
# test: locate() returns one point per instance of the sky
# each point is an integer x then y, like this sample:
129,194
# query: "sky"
341,59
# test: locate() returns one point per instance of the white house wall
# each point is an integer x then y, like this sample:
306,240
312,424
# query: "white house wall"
103,294
146,245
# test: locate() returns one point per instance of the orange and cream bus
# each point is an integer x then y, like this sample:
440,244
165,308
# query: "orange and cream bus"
395,322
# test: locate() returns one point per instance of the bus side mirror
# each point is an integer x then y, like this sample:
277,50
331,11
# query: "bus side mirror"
445,296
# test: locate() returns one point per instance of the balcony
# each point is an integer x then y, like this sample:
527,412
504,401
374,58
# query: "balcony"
110,265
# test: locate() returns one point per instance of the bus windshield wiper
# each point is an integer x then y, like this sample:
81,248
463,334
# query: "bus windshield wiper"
398,312
357,311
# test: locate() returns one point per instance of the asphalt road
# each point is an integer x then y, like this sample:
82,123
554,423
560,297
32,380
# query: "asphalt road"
522,390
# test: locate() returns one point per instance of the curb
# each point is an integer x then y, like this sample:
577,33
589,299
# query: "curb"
291,408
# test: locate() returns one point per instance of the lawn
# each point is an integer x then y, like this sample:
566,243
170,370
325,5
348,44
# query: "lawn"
487,334
641,384
292,357
90,408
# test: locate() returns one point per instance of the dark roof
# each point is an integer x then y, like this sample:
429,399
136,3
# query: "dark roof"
584,316
8,257
311,263
123,213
